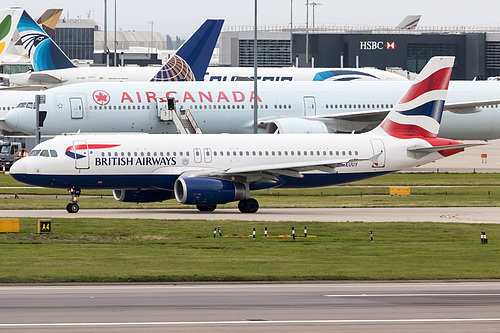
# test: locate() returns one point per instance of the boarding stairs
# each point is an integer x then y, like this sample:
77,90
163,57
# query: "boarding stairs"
185,124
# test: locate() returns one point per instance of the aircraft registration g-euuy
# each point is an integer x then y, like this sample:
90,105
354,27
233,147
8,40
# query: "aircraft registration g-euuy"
210,169
227,107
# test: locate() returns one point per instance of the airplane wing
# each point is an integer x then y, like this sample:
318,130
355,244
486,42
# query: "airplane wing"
46,78
269,172
363,121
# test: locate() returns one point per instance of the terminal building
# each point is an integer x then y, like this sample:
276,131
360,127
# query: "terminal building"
477,50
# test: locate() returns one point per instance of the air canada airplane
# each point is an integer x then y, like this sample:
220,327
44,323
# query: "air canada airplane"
227,107
210,169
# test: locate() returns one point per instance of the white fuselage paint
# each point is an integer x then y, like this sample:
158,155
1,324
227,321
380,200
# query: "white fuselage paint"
221,107
155,161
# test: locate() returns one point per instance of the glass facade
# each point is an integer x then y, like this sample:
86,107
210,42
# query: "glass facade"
77,43
420,53
270,53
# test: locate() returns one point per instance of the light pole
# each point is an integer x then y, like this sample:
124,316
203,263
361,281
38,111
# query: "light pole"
152,30
255,96
307,31
106,32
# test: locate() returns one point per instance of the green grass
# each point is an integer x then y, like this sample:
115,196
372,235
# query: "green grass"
107,250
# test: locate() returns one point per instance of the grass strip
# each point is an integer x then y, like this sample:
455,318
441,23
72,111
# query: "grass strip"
127,250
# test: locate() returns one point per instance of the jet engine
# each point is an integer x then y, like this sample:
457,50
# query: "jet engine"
142,195
208,191
296,126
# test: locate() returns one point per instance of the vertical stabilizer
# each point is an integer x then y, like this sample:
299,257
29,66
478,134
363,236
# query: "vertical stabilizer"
409,23
9,18
191,60
49,20
43,52
418,113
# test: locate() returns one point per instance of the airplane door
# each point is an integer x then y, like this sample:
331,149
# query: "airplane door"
197,155
162,107
208,155
81,154
76,106
309,106
378,147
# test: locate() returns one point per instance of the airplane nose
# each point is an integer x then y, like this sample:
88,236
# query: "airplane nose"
19,167
12,118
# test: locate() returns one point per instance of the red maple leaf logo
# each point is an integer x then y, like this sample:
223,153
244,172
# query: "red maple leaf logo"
101,97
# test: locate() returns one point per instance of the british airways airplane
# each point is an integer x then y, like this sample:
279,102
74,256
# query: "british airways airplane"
211,169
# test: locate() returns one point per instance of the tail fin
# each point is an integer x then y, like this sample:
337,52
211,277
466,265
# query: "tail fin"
409,23
43,52
418,113
9,19
49,20
191,60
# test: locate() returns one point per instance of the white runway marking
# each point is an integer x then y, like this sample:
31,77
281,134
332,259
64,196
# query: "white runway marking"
259,322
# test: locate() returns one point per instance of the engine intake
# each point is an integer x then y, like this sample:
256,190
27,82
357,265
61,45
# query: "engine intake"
296,126
208,191
142,195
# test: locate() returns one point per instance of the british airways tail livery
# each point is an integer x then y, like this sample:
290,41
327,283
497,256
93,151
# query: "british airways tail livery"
211,169
43,52
191,60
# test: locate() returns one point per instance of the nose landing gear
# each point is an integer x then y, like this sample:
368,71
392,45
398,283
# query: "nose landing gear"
73,207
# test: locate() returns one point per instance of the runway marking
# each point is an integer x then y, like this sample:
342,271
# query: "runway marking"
253,322
409,295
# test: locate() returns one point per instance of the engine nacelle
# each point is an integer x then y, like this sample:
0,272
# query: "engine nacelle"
142,195
296,126
208,191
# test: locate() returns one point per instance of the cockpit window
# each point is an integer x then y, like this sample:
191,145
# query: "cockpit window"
21,105
30,105
53,153
45,153
34,152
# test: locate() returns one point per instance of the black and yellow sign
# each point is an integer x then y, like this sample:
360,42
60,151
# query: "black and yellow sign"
44,226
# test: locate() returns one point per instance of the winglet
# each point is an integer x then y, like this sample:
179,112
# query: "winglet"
191,60
43,52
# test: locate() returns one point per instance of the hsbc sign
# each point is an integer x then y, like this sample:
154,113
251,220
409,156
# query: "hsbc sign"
374,45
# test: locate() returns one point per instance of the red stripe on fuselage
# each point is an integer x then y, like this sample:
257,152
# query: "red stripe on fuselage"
90,146
437,81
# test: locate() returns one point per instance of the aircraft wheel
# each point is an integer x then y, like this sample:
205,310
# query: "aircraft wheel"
248,206
206,208
72,207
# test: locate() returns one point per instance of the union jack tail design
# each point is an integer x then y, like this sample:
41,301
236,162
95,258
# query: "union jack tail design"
418,113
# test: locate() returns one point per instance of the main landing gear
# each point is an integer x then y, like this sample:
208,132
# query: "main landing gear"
245,206
73,207
248,205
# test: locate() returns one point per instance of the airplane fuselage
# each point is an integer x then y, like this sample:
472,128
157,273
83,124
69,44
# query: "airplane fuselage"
228,106
142,161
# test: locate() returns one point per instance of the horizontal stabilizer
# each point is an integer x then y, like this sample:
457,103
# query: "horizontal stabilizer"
446,147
